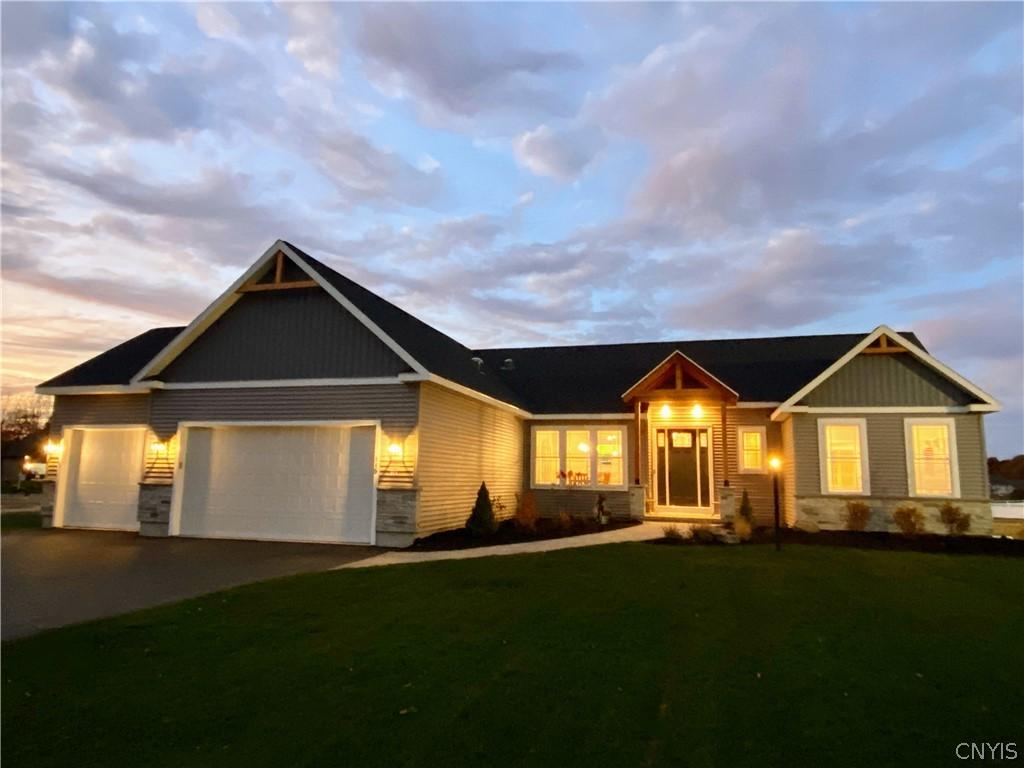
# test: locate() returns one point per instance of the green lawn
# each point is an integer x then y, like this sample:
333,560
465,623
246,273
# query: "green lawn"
621,655
16,521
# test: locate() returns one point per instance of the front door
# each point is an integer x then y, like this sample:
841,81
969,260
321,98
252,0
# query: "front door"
683,469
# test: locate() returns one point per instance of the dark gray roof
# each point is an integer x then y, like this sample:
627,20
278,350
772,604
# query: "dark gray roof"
119,364
438,353
592,379
567,379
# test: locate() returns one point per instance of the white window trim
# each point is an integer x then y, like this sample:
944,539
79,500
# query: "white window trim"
763,469
865,476
954,464
562,429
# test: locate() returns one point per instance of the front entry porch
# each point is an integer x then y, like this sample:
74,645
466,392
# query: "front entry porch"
681,418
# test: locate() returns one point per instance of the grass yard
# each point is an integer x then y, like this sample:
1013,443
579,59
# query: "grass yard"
620,655
19,521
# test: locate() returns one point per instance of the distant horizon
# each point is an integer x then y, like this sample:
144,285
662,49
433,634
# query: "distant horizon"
525,175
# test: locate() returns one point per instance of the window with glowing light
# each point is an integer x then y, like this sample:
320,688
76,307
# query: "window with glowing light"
579,457
931,464
751,446
547,459
844,461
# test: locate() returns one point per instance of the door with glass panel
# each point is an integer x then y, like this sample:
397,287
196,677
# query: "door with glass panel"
683,470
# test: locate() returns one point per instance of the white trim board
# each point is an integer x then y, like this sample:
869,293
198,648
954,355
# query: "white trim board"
915,350
95,389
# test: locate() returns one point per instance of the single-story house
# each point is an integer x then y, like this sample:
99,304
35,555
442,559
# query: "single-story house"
301,406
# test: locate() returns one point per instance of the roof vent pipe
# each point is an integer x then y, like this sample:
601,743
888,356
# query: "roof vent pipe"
479,362
508,365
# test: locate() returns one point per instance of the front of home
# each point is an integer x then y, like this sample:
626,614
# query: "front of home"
300,406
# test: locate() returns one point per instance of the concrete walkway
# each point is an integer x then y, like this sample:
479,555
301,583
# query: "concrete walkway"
643,532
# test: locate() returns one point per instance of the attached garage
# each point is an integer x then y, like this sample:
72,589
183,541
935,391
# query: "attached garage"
101,470
279,482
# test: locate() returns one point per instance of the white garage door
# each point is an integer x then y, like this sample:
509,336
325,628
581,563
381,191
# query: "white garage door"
101,482
280,483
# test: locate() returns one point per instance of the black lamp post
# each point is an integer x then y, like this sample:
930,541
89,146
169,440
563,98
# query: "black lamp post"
776,464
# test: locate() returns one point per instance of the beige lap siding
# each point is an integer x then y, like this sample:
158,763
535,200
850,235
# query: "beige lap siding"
463,442
757,486
887,454
681,415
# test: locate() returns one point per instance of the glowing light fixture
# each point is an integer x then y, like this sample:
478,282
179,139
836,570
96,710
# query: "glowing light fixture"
775,463
696,411
52,449
666,411
583,447
395,449
158,447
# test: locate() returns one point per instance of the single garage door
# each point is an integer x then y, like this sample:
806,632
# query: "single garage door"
279,483
100,486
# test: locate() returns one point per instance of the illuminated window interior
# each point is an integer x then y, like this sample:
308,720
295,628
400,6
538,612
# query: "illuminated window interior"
752,449
933,467
843,458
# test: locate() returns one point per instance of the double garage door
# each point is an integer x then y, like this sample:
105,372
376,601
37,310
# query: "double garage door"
284,483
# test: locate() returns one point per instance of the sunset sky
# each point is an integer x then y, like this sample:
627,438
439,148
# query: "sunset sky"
524,174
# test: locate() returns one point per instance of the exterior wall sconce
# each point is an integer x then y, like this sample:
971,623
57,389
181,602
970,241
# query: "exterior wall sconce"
395,449
158,447
52,449
665,411
696,411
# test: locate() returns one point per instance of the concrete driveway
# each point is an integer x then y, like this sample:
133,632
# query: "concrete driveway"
57,577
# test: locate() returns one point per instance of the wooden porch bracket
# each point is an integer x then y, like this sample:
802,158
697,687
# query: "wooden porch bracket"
278,284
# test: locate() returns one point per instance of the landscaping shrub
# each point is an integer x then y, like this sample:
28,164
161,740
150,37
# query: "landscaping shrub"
563,521
672,532
526,512
954,519
704,534
746,510
909,519
743,528
857,515
481,520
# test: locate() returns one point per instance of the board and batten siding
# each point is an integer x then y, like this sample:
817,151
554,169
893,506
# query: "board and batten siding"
462,443
886,380
887,454
300,333
99,409
757,485
578,502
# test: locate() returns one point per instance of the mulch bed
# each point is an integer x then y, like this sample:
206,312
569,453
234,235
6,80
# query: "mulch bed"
509,533
924,542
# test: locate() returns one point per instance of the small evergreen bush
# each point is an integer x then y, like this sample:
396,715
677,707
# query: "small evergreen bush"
857,515
746,510
672,532
481,521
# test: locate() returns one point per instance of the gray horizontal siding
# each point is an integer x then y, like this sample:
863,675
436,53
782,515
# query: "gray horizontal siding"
98,409
289,334
887,456
886,380
579,502
396,405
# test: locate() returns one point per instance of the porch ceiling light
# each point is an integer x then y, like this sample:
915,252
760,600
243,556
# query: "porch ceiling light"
666,411
775,463
696,411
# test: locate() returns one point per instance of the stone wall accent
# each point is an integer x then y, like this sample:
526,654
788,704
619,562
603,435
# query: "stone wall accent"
726,504
396,516
829,513
637,503
46,502
154,509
